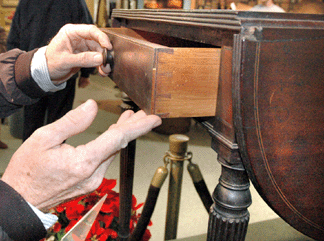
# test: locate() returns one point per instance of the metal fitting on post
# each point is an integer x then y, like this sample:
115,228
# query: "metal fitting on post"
178,145
159,177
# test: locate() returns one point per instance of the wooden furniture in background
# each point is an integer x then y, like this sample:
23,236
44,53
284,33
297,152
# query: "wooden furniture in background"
7,9
10,3
268,126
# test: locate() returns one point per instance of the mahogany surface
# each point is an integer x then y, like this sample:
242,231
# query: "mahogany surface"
269,118
281,130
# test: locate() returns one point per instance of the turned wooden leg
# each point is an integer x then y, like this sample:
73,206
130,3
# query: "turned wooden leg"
127,162
229,217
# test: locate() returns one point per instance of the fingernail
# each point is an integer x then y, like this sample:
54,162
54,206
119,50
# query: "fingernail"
86,105
158,122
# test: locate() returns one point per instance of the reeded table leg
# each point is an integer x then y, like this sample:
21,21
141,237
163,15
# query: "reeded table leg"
229,217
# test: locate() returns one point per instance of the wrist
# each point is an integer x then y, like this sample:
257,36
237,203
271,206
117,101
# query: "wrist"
40,73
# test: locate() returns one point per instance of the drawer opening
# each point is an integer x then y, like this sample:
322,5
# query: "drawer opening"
160,39
163,75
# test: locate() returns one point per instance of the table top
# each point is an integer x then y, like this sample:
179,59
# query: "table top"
210,26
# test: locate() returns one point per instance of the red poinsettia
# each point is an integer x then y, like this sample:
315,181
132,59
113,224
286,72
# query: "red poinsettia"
105,226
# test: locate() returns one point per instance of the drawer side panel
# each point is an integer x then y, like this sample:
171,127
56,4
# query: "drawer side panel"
187,82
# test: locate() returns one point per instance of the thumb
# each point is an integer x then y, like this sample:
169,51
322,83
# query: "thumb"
73,123
86,59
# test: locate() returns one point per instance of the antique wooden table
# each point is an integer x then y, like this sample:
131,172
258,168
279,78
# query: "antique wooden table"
266,120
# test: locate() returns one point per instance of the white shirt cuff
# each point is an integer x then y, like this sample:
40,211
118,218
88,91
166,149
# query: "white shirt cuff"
40,74
47,219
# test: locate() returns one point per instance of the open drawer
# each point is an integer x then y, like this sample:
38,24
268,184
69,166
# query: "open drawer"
164,76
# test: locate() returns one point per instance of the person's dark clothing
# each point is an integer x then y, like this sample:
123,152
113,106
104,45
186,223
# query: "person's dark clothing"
17,220
57,104
34,24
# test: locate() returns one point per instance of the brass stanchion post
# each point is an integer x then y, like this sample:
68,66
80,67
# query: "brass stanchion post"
177,155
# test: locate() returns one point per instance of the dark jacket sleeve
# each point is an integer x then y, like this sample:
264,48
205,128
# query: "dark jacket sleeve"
17,87
4,236
17,220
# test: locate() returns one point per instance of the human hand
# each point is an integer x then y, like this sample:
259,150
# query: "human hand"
76,46
46,171
83,82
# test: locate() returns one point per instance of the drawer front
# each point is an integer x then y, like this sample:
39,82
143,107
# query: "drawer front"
167,81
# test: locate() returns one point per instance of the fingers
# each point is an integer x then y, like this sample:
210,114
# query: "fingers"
104,71
129,127
76,46
85,59
124,116
138,125
74,122
90,32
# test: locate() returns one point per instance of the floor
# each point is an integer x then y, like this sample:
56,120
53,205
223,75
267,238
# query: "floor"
193,218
